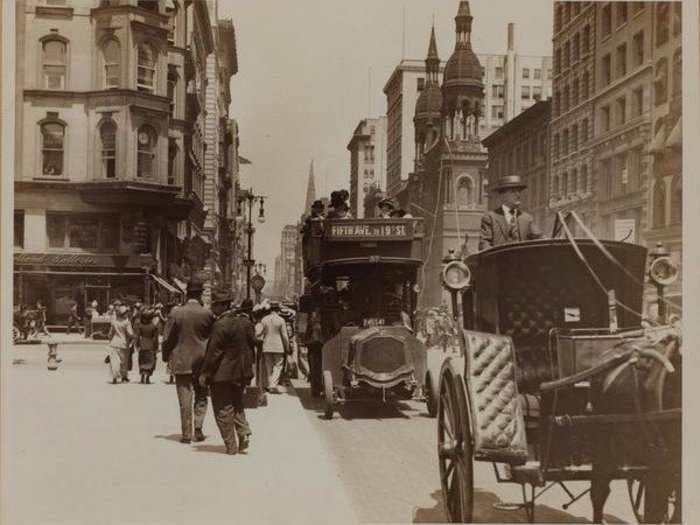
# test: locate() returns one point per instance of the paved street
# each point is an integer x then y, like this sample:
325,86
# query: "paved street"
92,452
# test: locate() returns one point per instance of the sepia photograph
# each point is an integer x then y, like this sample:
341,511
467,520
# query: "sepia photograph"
320,261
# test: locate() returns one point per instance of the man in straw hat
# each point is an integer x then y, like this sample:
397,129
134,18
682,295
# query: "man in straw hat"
507,223
228,368
184,344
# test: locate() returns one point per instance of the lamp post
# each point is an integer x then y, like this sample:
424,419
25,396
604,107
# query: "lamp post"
251,199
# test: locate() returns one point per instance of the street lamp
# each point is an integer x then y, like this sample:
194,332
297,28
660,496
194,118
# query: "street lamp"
662,273
251,199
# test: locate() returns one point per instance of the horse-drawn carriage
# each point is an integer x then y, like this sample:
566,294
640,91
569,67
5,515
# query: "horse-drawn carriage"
558,378
363,275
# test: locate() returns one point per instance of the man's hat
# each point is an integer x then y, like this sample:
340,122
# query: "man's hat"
195,285
510,182
221,295
388,201
318,204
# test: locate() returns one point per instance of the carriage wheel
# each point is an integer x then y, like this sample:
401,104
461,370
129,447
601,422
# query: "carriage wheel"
454,450
328,392
636,490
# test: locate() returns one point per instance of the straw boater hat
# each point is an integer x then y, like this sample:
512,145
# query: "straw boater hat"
510,182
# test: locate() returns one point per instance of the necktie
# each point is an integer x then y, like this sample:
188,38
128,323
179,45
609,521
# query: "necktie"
513,231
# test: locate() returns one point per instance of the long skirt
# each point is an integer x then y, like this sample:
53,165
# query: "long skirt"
147,361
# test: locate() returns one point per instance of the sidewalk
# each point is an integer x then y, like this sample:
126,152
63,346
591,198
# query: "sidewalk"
82,451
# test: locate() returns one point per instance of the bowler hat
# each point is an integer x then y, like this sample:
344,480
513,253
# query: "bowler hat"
510,182
221,295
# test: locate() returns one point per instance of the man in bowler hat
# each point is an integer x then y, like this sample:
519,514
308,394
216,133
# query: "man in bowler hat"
228,368
184,344
507,223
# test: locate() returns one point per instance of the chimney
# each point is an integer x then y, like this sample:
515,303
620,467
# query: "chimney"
511,36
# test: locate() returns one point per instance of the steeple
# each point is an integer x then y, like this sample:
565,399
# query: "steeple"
464,25
432,62
310,189
428,106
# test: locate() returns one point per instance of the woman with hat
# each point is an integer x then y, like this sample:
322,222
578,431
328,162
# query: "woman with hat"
507,223
120,337
386,207
147,344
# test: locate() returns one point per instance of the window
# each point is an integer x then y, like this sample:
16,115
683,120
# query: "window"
525,92
172,89
110,55
557,61
621,13
661,82
565,100
585,86
567,54
556,146
586,39
606,177
638,102
574,93
676,200
584,131
464,192
526,73
605,118
638,48
621,109
420,84
677,18
559,18
565,142
620,185
54,63
574,138
621,60
555,187
606,70
677,85
606,21
83,231
576,48
659,203
172,156
538,74
497,91
573,182
146,69
537,92
497,112
146,152
52,141
151,5
557,104
108,135
171,10
19,229
662,22
499,72
584,179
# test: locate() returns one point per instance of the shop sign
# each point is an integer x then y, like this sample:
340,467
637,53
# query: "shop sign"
347,230
69,259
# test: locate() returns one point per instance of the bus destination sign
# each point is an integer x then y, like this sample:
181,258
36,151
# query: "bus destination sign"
348,230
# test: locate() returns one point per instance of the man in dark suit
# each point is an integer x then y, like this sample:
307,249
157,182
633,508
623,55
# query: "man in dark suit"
507,223
228,368
184,344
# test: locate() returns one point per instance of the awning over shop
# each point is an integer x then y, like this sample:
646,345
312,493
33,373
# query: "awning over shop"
165,284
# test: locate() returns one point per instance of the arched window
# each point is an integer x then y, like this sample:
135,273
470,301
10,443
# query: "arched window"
464,192
53,61
659,200
662,22
146,69
108,139
52,145
147,140
677,73
661,82
676,200
110,55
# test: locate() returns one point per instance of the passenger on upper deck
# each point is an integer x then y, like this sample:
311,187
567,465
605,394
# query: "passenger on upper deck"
386,207
507,223
339,205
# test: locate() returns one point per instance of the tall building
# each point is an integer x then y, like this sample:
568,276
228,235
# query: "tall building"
665,195
109,185
573,175
512,83
367,161
289,261
448,188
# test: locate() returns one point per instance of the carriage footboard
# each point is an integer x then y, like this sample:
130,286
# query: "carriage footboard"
498,425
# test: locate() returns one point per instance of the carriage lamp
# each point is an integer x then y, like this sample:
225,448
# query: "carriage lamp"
662,272
455,274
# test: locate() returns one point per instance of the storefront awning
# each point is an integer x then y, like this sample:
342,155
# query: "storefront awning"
165,284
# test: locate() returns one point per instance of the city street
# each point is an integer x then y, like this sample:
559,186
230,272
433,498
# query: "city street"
81,450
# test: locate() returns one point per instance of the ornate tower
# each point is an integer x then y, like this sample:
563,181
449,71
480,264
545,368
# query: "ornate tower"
310,190
428,106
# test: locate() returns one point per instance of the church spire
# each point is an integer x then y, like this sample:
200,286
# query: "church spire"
310,189
432,62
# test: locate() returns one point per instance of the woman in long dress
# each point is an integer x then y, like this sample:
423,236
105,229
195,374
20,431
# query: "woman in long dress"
147,344
120,337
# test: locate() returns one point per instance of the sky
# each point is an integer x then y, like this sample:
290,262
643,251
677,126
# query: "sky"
310,70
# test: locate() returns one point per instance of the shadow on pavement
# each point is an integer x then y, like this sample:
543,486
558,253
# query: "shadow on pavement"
217,449
484,512
356,409
169,437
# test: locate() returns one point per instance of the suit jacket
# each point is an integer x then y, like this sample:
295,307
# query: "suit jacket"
274,334
230,355
495,228
186,334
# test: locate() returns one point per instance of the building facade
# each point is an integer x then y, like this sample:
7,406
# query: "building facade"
109,180
367,149
512,83
522,146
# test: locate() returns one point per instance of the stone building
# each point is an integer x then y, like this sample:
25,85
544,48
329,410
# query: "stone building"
573,182
522,146
367,149
110,150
